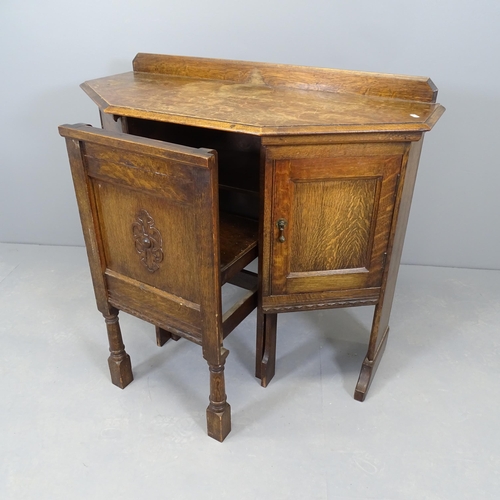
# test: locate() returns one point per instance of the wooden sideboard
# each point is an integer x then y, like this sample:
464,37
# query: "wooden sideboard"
325,159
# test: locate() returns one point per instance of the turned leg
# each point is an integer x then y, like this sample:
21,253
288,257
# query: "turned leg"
163,336
119,361
265,364
218,411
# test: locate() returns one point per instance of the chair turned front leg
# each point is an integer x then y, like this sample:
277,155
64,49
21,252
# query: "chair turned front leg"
118,361
218,411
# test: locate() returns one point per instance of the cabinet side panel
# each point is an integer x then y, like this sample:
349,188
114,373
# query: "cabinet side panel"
402,212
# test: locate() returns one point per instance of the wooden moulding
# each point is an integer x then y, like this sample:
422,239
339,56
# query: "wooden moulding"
324,300
329,139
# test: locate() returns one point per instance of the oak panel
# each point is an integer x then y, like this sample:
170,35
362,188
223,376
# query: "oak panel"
151,303
172,181
119,209
301,77
336,235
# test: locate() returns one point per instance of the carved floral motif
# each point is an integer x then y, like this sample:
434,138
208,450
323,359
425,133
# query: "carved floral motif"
148,241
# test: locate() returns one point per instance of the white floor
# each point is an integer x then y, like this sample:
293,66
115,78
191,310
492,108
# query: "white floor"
429,428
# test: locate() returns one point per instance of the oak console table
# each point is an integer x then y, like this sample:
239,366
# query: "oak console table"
325,159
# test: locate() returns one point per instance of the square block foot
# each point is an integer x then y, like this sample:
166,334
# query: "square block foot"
219,423
121,371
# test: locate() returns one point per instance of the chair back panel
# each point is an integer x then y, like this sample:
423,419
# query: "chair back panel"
153,204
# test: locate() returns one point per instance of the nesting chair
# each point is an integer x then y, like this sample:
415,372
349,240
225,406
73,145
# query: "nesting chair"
159,249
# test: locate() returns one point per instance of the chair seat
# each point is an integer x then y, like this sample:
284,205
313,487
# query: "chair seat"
238,243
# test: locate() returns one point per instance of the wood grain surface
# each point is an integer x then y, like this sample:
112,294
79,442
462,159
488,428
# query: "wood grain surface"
265,99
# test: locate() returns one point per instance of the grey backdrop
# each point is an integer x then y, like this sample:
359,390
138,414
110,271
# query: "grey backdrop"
48,48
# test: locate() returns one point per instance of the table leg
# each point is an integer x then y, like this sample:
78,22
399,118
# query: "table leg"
266,347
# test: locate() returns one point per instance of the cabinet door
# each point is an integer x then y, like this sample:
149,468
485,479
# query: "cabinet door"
331,221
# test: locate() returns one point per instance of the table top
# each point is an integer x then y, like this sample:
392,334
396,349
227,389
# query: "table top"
266,99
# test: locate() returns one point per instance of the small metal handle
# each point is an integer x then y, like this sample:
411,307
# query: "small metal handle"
281,227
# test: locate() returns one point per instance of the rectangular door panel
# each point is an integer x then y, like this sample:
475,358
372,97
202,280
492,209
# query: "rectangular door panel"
336,232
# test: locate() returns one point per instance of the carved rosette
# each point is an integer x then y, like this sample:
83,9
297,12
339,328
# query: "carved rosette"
148,241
